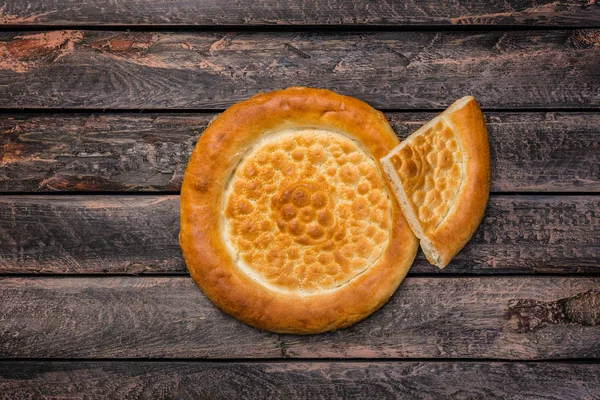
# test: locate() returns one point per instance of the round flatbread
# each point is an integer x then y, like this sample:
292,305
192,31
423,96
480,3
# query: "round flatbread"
287,222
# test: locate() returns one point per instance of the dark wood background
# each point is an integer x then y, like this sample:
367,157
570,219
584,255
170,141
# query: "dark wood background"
101,103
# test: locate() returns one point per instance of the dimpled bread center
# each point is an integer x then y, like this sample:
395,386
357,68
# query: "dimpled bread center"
431,170
306,210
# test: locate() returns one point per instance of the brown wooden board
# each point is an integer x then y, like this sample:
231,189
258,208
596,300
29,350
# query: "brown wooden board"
211,70
138,234
517,318
74,322
148,152
289,12
287,380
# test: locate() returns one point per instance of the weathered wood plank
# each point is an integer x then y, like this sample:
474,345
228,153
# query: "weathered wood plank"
517,318
298,380
133,235
289,12
132,70
148,152
101,152
90,234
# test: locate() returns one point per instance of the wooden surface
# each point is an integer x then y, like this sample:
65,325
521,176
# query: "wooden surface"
85,234
512,318
327,380
102,102
531,152
390,70
298,13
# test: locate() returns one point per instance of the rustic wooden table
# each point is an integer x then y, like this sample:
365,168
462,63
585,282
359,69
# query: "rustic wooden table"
101,103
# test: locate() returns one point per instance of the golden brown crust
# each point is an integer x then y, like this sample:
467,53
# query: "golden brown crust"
218,152
446,214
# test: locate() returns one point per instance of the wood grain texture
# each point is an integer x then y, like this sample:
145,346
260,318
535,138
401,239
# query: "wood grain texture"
389,70
148,152
286,380
306,12
136,235
90,234
169,317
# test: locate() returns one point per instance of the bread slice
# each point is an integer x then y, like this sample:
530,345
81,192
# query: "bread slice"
441,177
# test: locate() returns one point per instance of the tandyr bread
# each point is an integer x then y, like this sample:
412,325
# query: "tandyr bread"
287,221
441,178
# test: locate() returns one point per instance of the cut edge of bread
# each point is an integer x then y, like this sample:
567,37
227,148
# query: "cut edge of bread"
429,250
432,254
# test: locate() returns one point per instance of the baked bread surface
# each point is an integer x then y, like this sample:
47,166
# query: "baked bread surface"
287,221
441,176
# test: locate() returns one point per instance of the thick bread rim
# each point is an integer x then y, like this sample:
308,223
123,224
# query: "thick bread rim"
465,118
217,152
